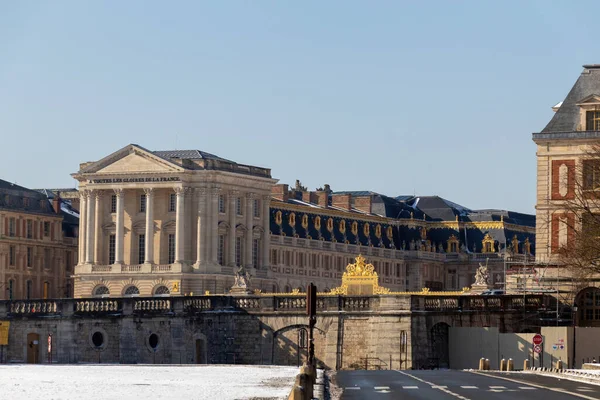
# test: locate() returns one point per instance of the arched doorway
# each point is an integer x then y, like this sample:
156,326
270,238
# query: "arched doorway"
33,348
588,307
440,352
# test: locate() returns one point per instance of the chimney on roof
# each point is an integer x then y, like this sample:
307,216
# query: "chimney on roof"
364,203
280,192
56,203
309,197
342,201
323,198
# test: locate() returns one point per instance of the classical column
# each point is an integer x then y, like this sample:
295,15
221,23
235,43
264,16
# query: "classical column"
231,235
90,226
201,228
82,225
98,228
249,223
149,236
179,224
214,225
120,229
266,218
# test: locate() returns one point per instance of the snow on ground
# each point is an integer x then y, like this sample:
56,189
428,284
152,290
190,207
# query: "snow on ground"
104,382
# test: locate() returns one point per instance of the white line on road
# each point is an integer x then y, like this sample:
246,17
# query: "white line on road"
352,388
497,387
443,389
527,388
439,387
410,387
583,396
469,387
381,388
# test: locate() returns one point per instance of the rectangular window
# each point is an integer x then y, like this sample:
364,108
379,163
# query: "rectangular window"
113,203
172,202
314,261
301,260
255,252
26,201
592,121
591,174
238,206
29,292
112,240
326,262
11,289
46,292
273,257
221,204
29,257
220,250
171,245
141,248
143,203
12,227
47,259
12,256
398,270
46,228
238,251
29,229
256,208
288,258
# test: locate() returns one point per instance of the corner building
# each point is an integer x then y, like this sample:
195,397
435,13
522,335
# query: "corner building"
180,222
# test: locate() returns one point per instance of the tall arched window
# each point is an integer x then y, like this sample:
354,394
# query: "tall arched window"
588,301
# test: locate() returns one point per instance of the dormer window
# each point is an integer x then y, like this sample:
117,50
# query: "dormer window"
592,120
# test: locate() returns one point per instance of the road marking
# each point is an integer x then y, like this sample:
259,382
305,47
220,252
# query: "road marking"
497,387
352,388
410,387
469,387
439,387
381,388
442,388
527,388
585,390
583,396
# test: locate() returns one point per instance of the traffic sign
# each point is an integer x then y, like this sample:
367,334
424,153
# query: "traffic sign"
537,348
538,339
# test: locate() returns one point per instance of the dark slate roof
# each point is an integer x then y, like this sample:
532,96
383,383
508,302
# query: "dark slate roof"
188,155
12,198
356,192
566,119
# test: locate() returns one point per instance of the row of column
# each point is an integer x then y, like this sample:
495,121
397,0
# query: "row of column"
90,226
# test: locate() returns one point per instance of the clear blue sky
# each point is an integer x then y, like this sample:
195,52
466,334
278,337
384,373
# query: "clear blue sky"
394,97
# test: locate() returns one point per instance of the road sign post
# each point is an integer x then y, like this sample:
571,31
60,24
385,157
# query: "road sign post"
537,341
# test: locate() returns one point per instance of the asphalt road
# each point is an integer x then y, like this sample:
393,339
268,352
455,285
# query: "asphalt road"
462,385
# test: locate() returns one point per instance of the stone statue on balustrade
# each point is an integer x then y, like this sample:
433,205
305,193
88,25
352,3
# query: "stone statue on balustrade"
482,279
241,284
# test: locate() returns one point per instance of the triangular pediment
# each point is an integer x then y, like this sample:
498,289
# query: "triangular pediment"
131,159
591,99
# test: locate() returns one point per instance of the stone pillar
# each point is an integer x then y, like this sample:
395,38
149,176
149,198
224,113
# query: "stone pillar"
266,222
214,225
89,243
201,236
149,235
120,228
98,228
249,223
82,226
180,224
231,235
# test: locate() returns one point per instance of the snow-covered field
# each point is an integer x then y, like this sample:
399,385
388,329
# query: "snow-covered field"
52,382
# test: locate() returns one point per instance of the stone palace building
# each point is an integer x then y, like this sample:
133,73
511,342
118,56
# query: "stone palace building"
159,223
38,244
563,159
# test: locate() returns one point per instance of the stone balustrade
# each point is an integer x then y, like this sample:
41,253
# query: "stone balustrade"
288,303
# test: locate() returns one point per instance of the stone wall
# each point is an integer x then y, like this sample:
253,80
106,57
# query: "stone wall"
351,332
